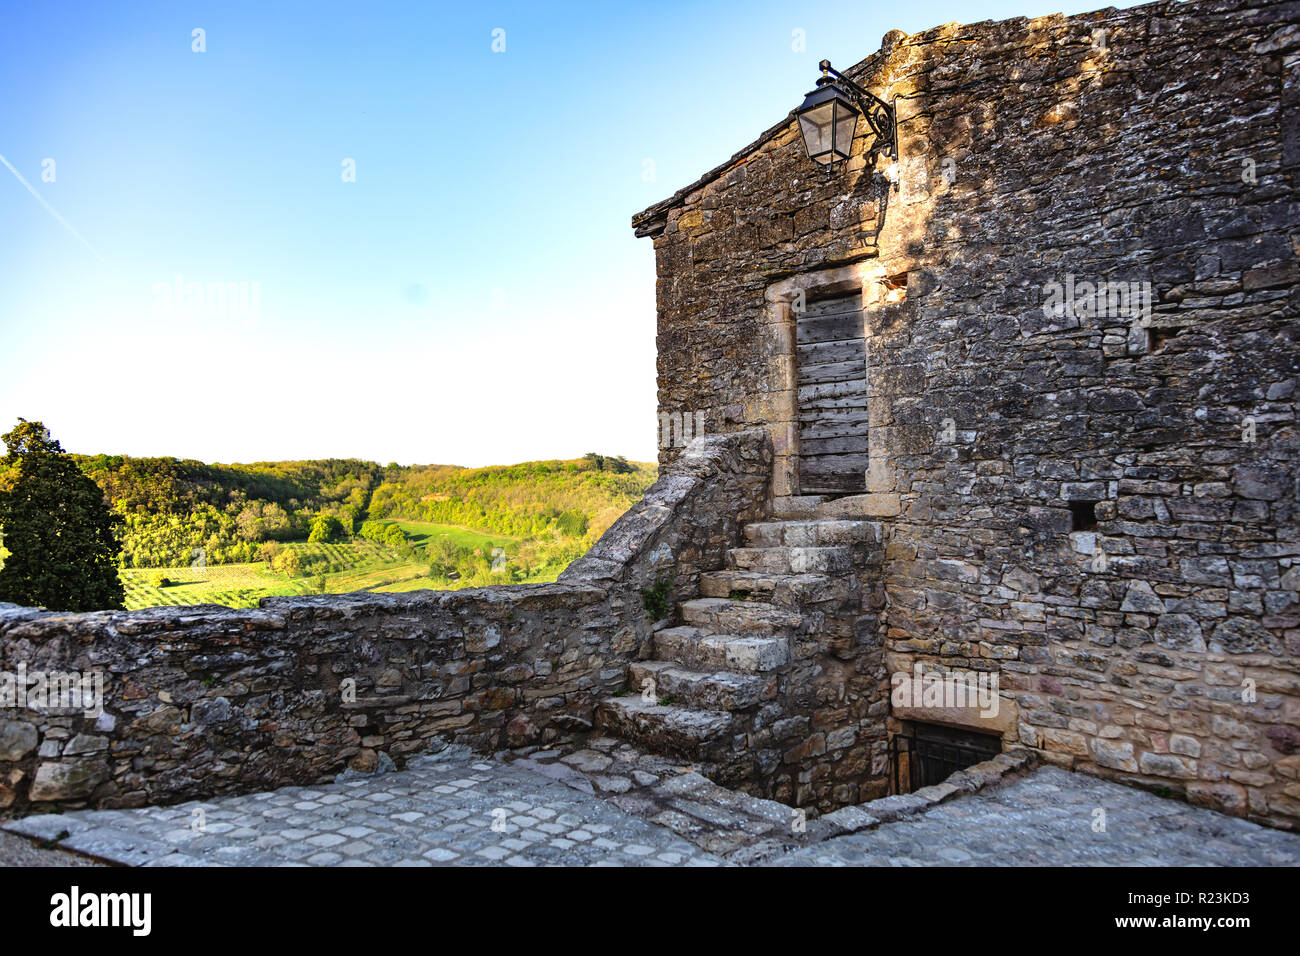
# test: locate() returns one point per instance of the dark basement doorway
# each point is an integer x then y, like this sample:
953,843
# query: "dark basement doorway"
926,754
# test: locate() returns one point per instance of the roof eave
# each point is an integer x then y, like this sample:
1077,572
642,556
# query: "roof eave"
652,220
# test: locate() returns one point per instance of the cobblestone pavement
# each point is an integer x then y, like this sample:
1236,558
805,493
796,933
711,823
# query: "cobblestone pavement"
608,805
1047,818
449,809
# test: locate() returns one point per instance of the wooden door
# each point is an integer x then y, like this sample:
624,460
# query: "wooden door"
831,356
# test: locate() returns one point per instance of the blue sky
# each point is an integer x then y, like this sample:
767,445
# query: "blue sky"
475,296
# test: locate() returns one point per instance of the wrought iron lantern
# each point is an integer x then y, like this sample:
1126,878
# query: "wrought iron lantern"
829,117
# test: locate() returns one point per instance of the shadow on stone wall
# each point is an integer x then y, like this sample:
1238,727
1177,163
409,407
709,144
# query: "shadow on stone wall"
1100,508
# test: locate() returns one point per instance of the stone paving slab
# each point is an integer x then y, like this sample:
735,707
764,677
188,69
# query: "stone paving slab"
450,809
735,826
1047,818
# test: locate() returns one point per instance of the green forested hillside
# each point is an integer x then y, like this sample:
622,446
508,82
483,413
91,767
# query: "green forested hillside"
520,500
173,507
230,534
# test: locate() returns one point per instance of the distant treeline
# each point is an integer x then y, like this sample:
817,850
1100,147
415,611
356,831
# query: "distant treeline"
174,508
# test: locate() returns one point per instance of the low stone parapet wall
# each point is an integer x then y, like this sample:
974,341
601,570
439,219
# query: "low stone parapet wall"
177,703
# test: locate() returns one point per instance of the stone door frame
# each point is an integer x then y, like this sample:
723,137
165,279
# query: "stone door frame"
867,278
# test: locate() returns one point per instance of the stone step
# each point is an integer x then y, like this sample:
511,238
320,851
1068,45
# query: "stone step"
797,506
672,731
717,690
691,647
859,507
824,533
742,618
790,560
783,590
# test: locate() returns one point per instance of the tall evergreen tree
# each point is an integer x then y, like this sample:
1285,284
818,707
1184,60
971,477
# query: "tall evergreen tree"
62,537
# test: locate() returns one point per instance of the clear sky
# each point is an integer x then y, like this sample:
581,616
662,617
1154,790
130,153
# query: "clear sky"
475,296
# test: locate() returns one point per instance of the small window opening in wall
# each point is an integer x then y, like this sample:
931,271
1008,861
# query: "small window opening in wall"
895,287
1156,338
1083,515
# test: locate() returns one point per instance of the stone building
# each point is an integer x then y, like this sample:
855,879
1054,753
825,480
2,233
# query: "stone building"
1051,351
994,448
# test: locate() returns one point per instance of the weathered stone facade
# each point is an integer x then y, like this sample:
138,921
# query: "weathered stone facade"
1097,504
208,700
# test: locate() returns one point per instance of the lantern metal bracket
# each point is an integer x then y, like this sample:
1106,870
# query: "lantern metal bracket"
882,117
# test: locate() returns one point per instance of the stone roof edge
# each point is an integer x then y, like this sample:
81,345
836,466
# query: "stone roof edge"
652,220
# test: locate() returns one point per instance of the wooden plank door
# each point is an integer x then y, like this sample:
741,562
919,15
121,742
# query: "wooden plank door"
831,355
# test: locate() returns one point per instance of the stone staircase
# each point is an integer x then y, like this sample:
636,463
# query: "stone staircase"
727,675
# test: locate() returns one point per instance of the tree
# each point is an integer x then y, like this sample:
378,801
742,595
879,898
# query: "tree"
444,556
63,538
288,563
572,523
616,464
326,528
350,516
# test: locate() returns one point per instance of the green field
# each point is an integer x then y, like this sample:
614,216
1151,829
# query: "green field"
422,534
234,585
353,565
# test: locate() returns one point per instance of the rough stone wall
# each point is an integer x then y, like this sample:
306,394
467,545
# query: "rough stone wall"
821,741
1152,145
207,700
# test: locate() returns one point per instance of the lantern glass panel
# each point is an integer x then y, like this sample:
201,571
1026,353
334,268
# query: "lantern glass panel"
818,128
845,123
